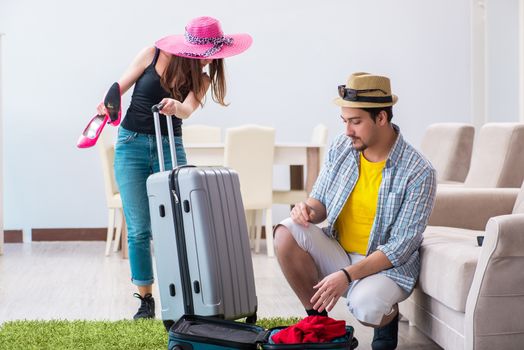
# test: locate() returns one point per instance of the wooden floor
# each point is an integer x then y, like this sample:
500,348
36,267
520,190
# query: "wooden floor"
74,280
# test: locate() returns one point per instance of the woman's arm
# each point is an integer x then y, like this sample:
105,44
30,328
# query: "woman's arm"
136,68
131,75
183,110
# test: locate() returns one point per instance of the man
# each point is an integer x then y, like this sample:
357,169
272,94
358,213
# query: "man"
376,192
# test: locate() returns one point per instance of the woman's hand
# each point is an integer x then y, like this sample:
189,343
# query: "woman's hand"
329,290
302,214
170,106
101,109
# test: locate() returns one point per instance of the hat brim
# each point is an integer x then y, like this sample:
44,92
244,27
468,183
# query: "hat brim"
356,104
177,45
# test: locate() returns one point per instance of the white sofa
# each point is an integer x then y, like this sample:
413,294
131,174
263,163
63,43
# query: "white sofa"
497,159
467,296
448,147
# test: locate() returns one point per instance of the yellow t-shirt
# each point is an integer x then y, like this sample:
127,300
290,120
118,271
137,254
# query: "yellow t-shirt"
357,216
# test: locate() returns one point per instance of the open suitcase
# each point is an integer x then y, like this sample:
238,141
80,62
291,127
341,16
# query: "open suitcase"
205,333
200,239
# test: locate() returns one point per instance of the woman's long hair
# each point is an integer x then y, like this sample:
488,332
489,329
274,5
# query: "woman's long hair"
183,75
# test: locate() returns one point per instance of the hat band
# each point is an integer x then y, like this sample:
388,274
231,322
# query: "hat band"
218,43
372,99
352,95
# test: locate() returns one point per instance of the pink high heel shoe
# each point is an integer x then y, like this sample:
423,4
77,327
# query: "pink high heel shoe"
113,104
92,131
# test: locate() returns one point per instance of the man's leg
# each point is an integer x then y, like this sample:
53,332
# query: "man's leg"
306,255
297,265
387,319
373,301
386,337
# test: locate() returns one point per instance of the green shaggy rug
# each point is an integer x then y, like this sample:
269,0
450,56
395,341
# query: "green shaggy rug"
103,335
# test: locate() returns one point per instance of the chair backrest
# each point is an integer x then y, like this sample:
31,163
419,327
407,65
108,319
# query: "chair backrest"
198,133
249,150
107,156
448,147
320,134
319,137
498,156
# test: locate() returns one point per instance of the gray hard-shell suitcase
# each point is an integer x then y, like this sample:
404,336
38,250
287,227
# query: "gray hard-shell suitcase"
200,239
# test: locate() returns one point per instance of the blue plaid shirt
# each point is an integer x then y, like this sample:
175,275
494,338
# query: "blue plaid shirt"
405,200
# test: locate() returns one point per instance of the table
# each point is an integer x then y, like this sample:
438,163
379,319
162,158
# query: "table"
296,155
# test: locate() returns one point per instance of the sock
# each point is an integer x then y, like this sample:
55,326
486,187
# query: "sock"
313,312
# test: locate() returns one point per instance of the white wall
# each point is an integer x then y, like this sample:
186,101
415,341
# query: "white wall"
521,60
1,158
502,83
61,56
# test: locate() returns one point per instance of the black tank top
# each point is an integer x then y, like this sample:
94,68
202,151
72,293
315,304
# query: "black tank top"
147,93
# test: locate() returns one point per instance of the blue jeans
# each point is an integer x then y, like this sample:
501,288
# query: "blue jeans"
136,158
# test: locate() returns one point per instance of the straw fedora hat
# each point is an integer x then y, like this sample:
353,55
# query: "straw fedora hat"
365,90
204,39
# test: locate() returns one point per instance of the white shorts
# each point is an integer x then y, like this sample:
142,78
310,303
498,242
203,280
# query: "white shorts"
369,298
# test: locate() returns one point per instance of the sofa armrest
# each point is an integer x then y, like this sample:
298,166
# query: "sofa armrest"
495,301
471,208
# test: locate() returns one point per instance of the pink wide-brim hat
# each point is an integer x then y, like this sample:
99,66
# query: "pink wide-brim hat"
204,39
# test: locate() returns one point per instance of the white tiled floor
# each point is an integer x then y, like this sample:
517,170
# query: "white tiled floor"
74,280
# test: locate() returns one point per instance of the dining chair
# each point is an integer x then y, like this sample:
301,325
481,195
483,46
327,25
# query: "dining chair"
113,200
318,137
198,133
249,150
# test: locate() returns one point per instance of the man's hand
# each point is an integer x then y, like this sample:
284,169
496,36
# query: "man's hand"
329,290
302,214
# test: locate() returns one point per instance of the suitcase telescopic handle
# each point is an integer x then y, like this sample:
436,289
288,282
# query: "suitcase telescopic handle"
156,117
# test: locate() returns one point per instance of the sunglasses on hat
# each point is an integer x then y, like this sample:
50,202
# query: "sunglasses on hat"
353,95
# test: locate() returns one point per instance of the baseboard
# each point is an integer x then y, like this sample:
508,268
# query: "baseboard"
79,234
65,234
13,236
69,234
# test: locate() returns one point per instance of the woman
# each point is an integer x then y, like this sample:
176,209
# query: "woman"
171,73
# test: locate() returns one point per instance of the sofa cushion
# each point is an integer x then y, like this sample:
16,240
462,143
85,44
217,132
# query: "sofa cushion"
519,203
448,260
448,146
497,159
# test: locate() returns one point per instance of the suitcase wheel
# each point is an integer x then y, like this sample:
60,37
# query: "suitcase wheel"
354,343
168,324
251,319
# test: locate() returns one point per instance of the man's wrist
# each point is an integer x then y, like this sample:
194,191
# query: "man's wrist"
311,212
309,207
347,275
